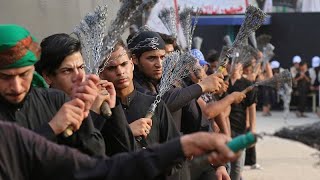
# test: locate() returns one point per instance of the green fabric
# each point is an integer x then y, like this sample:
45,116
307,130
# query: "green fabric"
10,35
38,81
29,59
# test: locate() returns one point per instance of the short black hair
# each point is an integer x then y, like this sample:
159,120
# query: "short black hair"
212,56
170,40
167,38
303,63
54,49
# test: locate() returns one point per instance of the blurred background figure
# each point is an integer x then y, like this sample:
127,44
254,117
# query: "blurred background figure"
213,60
314,74
197,42
133,29
269,93
302,80
294,69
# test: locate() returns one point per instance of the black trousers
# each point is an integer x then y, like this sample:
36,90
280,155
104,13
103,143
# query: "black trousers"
251,156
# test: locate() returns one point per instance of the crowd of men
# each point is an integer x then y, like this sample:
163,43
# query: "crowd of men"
45,91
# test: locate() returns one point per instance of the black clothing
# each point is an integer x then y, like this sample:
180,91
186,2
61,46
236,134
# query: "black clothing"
303,87
238,111
162,129
180,101
39,107
26,155
115,131
251,156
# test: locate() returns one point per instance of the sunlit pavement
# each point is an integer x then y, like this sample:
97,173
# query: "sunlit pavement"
283,159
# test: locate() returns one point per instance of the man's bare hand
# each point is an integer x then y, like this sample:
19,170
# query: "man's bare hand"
141,127
70,114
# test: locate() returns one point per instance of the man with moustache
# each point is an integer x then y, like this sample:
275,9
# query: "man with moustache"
60,62
45,111
160,127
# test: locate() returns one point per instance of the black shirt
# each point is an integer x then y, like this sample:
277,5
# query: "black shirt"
180,101
26,155
162,129
238,111
39,107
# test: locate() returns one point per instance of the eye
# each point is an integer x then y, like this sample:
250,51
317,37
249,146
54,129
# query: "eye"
111,68
124,64
66,71
24,74
4,77
82,66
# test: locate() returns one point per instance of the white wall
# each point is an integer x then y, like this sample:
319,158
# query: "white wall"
46,17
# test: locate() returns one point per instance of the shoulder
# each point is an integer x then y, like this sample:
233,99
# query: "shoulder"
50,94
146,97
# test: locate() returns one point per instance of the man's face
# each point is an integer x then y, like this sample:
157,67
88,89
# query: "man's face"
119,70
150,63
169,48
304,68
198,73
71,67
213,65
238,69
15,83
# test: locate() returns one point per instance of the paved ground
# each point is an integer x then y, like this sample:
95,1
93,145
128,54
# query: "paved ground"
283,159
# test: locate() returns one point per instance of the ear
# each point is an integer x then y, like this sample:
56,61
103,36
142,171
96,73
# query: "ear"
135,59
47,78
132,64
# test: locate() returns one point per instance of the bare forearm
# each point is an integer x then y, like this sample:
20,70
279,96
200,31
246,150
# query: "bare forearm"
252,117
221,122
215,108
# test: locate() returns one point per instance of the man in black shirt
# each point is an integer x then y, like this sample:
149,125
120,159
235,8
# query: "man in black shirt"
26,155
238,114
158,129
303,87
61,61
47,112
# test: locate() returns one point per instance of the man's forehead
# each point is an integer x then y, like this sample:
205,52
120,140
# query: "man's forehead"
16,71
119,60
72,60
157,52
119,56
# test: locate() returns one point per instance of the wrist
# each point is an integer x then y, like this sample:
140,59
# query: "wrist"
231,98
185,144
54,128
203,87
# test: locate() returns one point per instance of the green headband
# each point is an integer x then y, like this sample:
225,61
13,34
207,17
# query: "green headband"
18,48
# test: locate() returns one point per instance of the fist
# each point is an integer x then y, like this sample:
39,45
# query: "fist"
141,127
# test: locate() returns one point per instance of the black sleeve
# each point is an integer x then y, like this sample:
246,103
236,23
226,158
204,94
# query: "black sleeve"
176,98
55,99
251,97
168,129
145,164
191,117
46,131
87,139
98,120
30,156
26,155
117,133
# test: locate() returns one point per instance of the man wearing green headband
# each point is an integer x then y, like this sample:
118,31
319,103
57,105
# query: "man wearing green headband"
45,111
